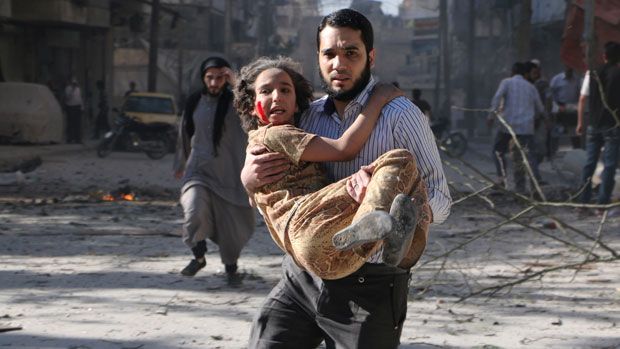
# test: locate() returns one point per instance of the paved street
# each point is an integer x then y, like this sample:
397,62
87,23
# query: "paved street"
80,272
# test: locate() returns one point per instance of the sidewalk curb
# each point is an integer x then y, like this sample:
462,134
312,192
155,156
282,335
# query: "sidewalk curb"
12,155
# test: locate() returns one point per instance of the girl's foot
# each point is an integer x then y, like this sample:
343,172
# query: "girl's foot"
373,226
397,242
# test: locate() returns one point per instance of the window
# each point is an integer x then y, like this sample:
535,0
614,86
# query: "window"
157,105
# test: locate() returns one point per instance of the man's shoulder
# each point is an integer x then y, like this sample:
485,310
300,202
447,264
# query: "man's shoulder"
504,82
614,72
556,78
529,86
522,82
541,83
195,95
316,107
401,107
192,101
401,103
318,103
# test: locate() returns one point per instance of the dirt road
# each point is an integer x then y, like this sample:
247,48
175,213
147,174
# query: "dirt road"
80,272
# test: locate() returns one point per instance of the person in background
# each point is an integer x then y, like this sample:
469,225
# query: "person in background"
56,91
424,106
542,85
603,131
564,91
210,155
132,88
101,120
541,122
520,105
74,107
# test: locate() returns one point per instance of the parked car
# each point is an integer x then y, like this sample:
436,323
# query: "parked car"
152,108
30,113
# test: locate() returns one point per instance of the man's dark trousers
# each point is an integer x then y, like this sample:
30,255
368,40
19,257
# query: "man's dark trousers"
500,148
363,310
74,124
607,139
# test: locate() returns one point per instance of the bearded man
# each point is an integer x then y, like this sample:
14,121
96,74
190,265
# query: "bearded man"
367,308
210,155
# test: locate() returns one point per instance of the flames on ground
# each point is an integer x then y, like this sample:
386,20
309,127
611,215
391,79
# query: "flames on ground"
125,193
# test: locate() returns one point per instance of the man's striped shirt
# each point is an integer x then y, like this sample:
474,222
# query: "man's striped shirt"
400,125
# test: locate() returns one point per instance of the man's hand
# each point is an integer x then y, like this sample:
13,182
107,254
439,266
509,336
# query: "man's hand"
490,120
262,167
358,182
579,129
229,75
561,107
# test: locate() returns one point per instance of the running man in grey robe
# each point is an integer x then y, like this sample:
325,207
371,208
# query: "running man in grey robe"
209,158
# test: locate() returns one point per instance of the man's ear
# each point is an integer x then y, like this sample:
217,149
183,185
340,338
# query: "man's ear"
371,58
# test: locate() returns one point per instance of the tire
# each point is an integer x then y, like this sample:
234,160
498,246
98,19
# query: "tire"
105,147
159,150
172,142
455,144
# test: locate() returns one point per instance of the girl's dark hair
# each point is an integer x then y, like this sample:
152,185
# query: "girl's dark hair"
244,88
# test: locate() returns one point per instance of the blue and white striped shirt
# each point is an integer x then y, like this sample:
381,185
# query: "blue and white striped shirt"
521,102
400,125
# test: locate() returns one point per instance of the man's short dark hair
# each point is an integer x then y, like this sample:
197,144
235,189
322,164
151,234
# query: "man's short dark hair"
416,93
348,18
212,62
528,66
518,68
612,52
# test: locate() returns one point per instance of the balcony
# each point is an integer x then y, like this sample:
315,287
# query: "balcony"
92,13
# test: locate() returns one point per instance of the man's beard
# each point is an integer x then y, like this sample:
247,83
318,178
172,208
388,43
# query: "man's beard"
215,93
207,91
350,94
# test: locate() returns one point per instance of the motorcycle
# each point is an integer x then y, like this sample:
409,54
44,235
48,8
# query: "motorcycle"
452,143
154,139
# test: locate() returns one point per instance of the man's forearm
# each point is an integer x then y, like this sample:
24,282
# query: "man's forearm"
580,109
440,206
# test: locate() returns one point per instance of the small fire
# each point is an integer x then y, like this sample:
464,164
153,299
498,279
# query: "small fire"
125,194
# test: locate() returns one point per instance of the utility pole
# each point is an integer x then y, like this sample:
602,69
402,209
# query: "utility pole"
589,34
180,74
1,75
153,46
524,30
590,39
228,28
445,54
436,102
471,66
265,26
